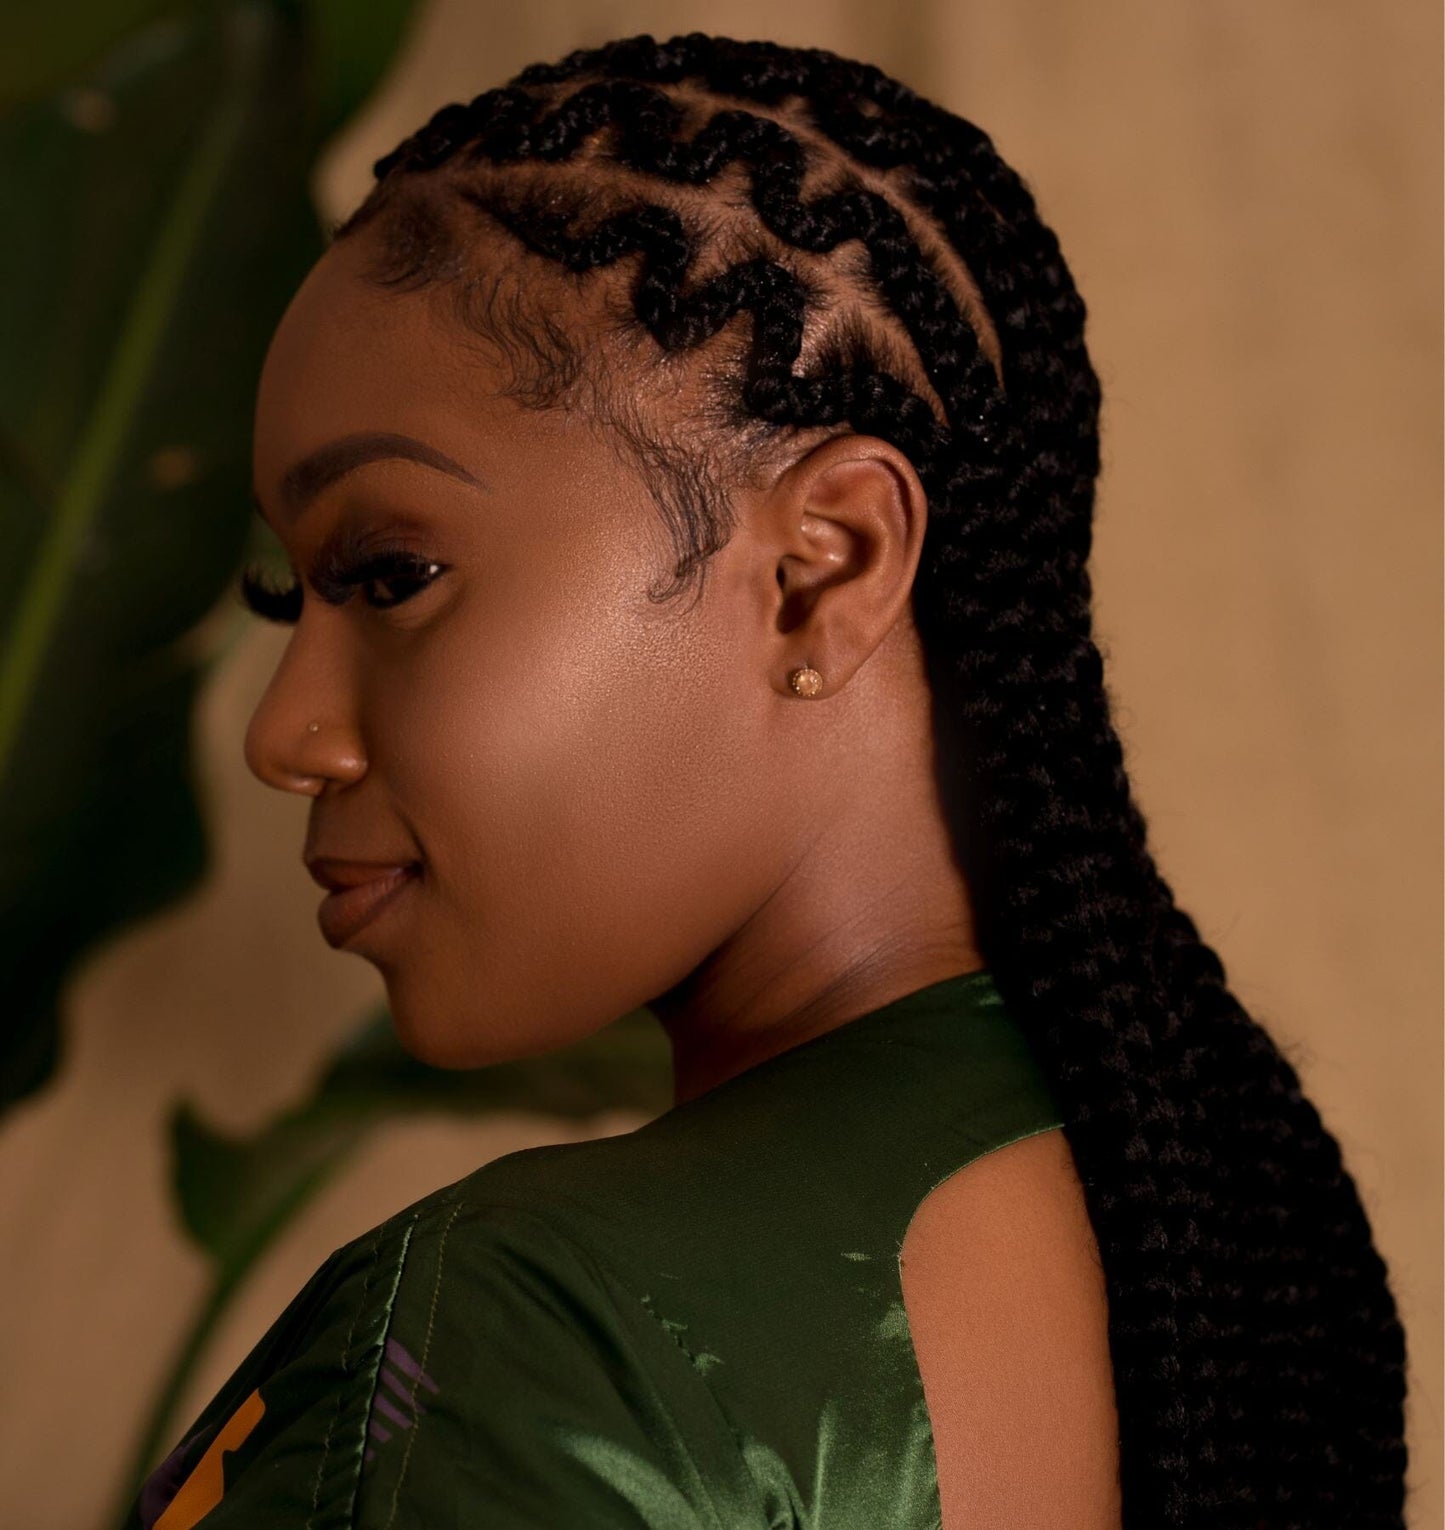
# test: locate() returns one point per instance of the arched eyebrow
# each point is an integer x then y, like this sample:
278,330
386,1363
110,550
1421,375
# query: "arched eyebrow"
318,470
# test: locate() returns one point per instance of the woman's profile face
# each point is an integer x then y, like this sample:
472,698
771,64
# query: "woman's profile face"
586,781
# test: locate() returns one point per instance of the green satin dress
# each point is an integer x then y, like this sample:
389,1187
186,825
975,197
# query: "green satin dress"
698,1323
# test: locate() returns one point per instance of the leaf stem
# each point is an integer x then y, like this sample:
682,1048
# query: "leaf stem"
144,1458
230,1273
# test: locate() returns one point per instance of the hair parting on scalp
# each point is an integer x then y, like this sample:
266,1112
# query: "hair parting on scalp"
795,242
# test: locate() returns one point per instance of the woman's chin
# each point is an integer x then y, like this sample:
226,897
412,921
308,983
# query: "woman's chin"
484,1019
442,1038
432,1038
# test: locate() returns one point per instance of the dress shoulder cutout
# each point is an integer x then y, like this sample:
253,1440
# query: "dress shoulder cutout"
1007,1300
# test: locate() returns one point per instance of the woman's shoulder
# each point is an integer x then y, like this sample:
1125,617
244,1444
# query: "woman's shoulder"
470,1348
570,1333
571,1211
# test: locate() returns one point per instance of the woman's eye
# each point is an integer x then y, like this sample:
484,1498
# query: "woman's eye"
393,580
385,579
386,576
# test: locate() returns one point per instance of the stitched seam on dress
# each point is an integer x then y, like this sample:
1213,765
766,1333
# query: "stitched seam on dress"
412,1433
587,1256
735,1433
340,1391
400,1267
611,1279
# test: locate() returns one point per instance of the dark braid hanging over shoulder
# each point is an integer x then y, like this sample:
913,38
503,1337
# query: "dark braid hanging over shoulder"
894,277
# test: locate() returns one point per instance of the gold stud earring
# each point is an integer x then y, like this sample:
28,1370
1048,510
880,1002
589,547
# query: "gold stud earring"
313,727
806,682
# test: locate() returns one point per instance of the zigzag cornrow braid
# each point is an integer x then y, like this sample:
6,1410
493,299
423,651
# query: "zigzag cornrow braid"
680,319
495,127
1227,1224
958,178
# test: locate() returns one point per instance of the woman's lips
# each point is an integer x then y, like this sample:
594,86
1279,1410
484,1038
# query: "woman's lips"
347,908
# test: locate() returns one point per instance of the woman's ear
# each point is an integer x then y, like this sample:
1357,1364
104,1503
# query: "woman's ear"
844,529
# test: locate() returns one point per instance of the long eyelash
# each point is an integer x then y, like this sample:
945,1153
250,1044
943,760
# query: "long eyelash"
273,603
338,571
340,568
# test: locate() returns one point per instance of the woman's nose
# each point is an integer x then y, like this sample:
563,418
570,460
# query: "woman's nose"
300,738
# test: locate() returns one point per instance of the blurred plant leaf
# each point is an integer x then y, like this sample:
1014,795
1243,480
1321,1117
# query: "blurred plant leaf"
237,1194
166,223
41,55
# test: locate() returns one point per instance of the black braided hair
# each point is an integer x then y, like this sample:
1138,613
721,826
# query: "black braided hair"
881,242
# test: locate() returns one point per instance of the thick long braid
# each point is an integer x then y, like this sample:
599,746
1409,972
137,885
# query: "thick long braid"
1258,1357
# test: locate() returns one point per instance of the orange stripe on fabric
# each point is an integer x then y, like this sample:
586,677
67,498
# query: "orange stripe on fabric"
202,1490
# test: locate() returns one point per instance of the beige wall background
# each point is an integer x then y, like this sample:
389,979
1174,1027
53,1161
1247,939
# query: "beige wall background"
1250,199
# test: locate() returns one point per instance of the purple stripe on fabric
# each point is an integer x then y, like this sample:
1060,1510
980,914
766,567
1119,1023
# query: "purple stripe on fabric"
380,1430
404,1393
392,1411
402,1360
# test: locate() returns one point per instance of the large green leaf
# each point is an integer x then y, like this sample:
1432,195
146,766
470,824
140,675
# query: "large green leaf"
42,55
161,222
236,1194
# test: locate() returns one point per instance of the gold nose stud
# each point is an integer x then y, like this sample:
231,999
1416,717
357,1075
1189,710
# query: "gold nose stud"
313,727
